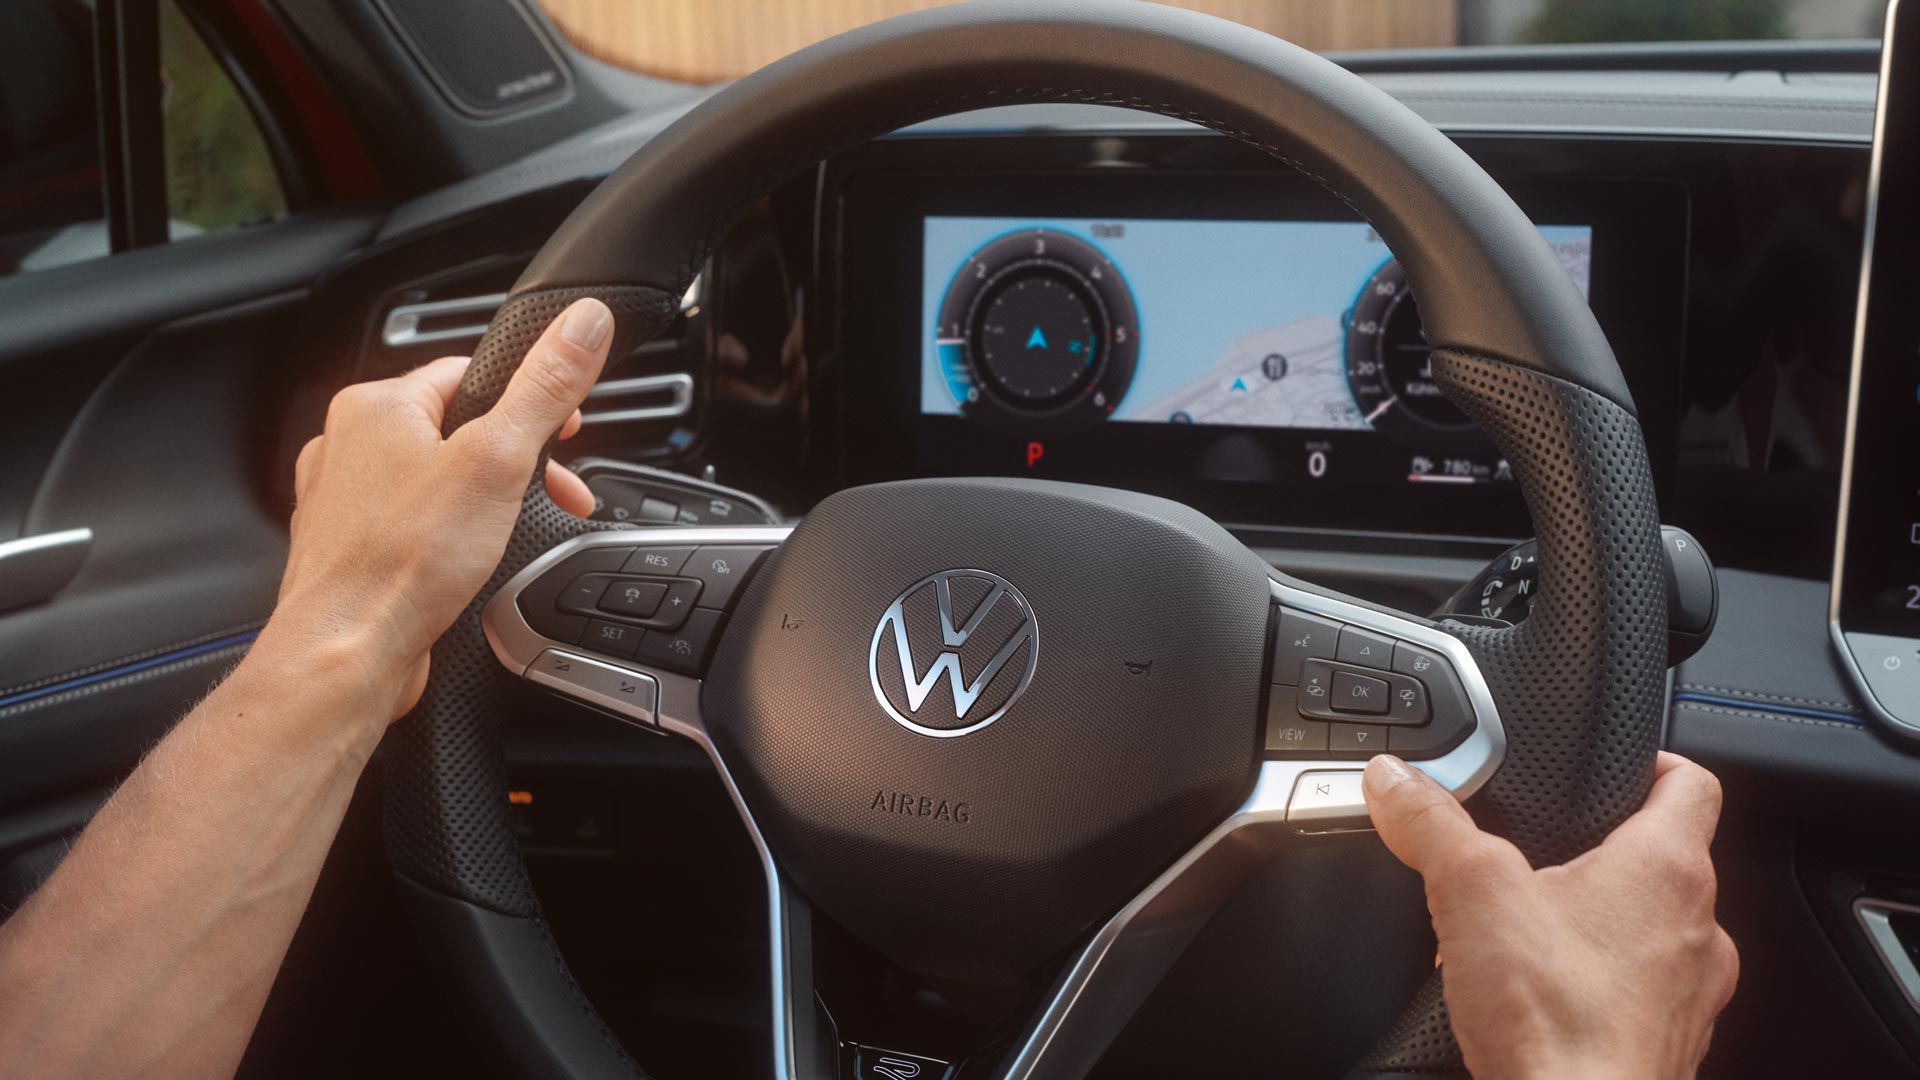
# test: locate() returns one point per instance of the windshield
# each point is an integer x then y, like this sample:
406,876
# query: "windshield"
701,41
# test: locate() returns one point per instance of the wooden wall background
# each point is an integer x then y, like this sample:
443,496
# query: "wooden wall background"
704,41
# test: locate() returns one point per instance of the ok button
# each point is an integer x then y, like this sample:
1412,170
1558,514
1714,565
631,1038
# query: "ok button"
1354,693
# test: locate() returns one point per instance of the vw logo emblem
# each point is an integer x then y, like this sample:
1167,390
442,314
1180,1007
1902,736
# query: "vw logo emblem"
969,628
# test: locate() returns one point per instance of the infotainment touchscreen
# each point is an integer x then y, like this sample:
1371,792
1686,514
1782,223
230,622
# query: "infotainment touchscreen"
1047,327
1876,589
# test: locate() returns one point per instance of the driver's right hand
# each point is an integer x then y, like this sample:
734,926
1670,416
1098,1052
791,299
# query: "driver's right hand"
1610,965
396,528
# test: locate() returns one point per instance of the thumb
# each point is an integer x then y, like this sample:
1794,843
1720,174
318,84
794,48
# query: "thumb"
1419,821
554,378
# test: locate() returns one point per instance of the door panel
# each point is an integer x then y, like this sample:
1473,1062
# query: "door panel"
147,393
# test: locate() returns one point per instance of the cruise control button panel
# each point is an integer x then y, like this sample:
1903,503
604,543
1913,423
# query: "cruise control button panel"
656,605
548,603
1347,692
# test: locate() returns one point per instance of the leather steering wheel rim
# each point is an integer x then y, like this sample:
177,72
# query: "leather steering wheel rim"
1515,345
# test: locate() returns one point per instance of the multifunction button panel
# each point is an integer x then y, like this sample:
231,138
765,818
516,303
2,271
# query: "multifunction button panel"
657,605
1343,691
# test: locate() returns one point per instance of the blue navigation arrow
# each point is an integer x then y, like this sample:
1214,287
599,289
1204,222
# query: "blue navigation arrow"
1036,340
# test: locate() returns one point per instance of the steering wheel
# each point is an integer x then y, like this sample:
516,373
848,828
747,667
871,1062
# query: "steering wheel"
1093,780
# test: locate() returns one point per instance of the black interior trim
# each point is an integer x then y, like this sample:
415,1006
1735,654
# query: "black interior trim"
61,308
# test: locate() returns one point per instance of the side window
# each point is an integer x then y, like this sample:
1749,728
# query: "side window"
219,172
52,209
213,160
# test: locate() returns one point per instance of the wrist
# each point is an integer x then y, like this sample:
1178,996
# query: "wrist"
349,676
1566,1062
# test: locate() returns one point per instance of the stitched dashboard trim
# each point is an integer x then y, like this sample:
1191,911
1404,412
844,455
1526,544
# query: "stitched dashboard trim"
1754,711
1761,695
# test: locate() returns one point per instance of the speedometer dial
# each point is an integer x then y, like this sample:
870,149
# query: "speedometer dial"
1390,366
1038,334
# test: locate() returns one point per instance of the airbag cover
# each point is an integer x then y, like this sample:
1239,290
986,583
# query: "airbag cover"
979,843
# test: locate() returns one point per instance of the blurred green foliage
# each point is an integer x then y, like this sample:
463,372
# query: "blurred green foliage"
1657,20
219,173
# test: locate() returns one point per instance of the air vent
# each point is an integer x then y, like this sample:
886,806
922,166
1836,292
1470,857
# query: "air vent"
632,401
651,383
440,320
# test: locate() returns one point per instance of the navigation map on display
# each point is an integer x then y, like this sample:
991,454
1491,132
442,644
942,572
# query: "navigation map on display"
1279,324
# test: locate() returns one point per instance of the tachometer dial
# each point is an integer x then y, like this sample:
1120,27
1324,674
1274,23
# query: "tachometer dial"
1038,334
1390,366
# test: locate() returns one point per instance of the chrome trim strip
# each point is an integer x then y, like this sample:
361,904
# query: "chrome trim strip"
33,568
1134,948
680,714
402,326
1875,919
1840,645
679,384
26,545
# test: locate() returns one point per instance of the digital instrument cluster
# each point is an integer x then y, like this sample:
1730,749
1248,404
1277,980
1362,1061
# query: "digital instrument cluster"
1233,339
1048,329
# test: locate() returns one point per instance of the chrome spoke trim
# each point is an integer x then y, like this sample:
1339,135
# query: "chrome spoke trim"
1129,954
675,710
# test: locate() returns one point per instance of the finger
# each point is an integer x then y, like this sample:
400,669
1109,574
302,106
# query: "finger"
569,492
304,465
555,376
1683,805
1420,821
572,427
432,385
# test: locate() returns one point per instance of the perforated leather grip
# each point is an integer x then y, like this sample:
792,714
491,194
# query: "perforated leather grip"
1516,344
446,813
1579,681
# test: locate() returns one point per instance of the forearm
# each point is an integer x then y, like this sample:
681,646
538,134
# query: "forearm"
152,948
